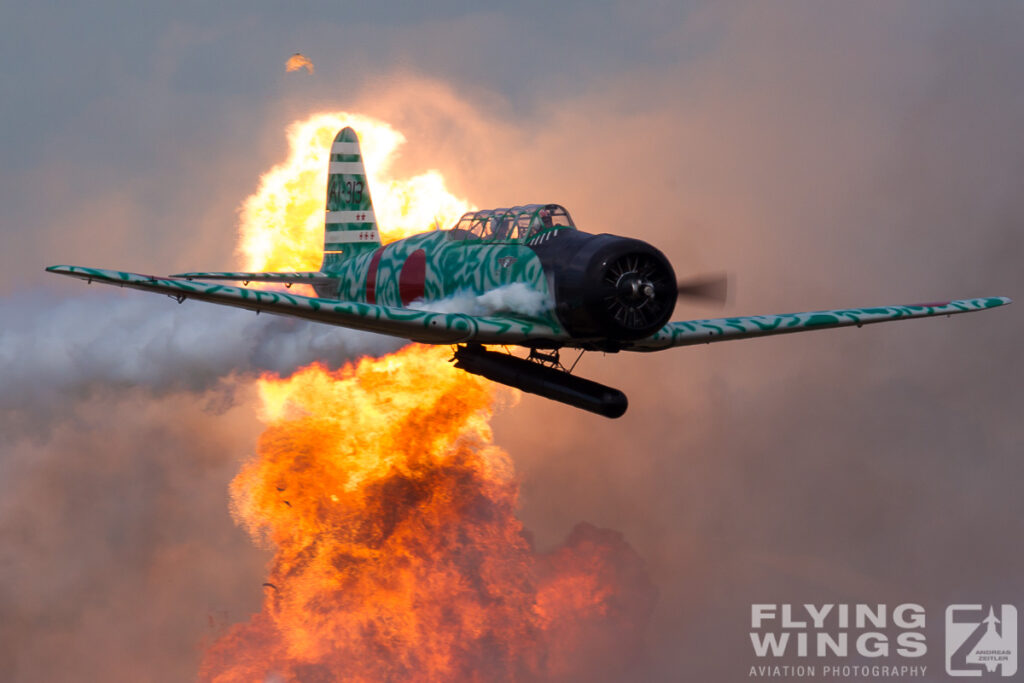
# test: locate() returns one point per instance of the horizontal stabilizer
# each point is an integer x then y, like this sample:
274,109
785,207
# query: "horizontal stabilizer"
686,333
305,278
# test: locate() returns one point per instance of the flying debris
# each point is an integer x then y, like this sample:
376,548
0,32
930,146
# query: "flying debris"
298,61
585,292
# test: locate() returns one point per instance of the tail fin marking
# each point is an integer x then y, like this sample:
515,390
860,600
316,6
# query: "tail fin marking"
350,226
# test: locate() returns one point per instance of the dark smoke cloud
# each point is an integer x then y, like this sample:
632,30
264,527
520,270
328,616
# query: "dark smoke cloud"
118,555
829,157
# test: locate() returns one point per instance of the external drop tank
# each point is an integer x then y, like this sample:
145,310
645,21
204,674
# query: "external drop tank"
542,380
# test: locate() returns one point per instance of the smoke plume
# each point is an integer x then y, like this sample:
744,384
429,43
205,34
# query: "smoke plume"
514,299
55,352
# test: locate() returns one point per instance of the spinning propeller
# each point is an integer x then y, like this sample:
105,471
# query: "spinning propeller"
712,289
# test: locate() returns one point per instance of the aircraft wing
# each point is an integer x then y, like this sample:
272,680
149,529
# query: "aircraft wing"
407,323
686,333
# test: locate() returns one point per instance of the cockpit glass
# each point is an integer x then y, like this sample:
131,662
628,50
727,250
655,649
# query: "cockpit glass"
560,216
517,224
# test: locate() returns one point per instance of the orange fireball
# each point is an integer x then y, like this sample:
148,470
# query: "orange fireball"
282,223
398,555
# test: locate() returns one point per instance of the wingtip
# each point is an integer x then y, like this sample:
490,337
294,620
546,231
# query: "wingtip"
980,303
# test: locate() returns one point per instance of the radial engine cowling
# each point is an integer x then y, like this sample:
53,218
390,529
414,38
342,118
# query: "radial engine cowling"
613,287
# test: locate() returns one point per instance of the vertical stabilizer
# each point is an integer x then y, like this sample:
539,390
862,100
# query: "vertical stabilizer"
350,228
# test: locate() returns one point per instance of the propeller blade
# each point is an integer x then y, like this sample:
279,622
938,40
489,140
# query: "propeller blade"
711,288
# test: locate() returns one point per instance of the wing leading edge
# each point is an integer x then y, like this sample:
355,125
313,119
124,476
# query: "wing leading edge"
304,278
454,328
686,333
407,323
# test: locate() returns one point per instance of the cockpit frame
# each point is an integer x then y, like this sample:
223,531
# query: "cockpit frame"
517,224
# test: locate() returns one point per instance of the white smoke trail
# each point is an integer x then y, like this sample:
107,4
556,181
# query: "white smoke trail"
516,299
54,351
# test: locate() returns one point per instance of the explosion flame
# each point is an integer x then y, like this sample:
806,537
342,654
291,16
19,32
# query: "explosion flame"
298,61
391,515
282,223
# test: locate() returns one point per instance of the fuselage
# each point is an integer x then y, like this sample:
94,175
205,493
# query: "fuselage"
435,265
600,289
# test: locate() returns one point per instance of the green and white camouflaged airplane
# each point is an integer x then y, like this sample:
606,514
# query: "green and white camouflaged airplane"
589,292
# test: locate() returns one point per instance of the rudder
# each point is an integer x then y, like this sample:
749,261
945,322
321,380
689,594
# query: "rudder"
350,227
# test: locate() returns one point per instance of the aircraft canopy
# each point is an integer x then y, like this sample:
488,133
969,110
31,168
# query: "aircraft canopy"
517,224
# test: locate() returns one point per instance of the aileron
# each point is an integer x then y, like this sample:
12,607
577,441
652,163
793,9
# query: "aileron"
690,332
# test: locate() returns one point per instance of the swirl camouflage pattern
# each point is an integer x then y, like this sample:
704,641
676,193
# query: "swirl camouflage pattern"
598,292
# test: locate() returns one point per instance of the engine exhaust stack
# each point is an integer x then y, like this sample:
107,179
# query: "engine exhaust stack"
542,380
